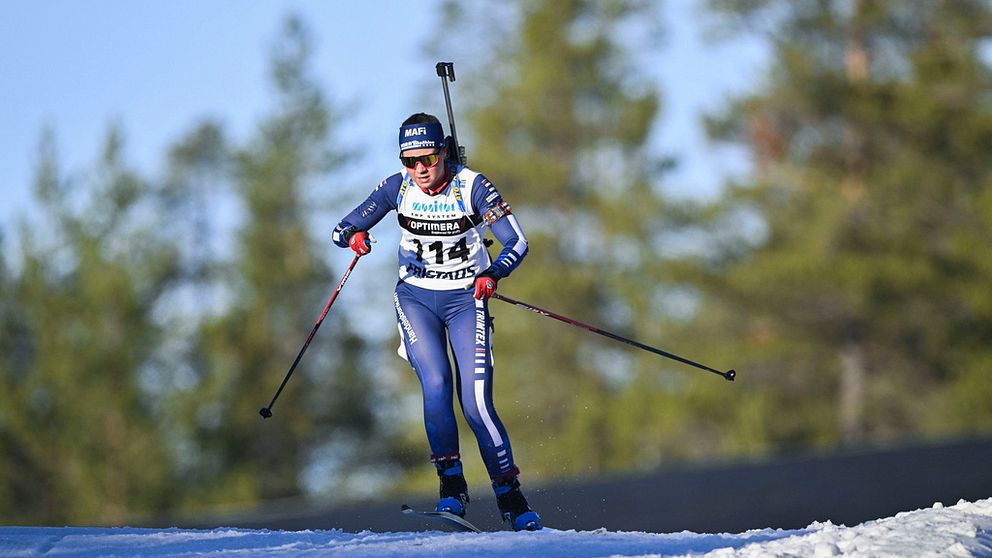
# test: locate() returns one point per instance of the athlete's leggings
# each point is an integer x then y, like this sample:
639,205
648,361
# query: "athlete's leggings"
429,320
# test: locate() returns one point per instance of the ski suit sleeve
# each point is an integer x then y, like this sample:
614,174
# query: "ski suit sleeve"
497,214
369,212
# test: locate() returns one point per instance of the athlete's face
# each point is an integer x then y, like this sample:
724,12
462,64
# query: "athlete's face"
427,177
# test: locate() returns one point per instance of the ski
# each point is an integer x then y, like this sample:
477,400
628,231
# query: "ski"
450,520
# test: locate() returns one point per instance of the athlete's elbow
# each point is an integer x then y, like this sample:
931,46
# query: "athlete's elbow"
522,248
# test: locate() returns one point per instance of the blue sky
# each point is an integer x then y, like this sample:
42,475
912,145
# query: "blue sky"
157,67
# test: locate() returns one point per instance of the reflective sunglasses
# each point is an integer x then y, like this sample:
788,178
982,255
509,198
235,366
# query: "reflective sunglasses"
426,160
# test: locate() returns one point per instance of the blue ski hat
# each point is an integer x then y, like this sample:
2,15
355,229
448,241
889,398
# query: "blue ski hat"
421,136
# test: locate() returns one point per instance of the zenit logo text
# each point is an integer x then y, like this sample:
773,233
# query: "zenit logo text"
434,207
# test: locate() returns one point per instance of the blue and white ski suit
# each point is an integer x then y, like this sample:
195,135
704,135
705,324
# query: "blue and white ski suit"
440,254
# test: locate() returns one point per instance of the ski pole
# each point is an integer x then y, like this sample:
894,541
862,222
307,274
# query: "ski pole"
446,71
729,375
266,412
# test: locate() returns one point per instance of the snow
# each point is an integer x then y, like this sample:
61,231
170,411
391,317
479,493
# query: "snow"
964,529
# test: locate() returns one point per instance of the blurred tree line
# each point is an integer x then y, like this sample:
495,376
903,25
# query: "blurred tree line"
861,308
136,354
846,278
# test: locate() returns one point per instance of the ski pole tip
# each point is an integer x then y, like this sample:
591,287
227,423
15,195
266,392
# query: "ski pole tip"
265,412
730,375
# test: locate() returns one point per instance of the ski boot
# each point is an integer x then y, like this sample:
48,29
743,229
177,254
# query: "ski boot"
454,489
513,506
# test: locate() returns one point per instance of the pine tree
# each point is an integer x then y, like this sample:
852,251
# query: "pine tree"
278,283
80,439
853,299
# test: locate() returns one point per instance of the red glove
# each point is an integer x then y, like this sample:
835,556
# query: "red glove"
359,242
485,286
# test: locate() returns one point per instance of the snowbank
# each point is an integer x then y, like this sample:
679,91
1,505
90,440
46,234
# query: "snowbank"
961,530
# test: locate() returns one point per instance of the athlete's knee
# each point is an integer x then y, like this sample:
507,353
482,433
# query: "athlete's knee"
471,414
480,415
435,385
